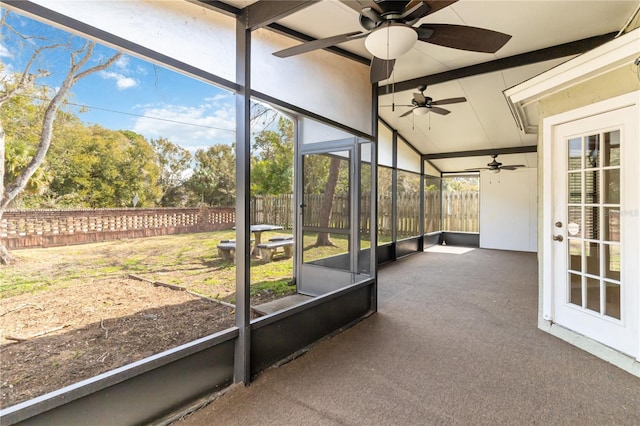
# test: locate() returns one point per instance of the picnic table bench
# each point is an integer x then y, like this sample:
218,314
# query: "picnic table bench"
268,249
281,238
227,249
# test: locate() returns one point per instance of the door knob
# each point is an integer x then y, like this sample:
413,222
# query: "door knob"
557,238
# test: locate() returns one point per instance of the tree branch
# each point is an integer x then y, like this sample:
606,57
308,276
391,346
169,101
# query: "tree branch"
72,77
26,77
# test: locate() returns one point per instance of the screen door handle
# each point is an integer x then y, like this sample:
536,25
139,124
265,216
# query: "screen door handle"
557,238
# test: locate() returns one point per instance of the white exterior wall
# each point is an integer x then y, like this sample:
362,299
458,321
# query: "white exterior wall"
508,210
321,82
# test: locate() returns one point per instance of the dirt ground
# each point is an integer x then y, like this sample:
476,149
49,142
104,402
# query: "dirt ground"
59,337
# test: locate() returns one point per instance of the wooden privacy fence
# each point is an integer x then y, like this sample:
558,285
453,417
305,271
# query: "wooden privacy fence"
460,211
44,228
273,209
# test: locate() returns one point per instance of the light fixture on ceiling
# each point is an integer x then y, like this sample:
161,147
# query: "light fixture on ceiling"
391,41
421,110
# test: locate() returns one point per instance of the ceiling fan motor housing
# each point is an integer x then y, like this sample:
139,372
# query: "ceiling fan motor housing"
392,7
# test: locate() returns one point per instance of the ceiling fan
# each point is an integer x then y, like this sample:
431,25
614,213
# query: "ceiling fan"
389,33
421,104
495,166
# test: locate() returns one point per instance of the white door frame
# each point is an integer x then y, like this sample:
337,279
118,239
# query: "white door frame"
549,125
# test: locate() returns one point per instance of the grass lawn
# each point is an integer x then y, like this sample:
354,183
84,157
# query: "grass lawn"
189,260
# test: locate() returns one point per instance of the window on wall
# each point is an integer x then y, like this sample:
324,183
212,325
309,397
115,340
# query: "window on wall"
460,203
432,204
119,229
408,205
385,218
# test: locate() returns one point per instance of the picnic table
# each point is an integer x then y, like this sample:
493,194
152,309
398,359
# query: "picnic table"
257,231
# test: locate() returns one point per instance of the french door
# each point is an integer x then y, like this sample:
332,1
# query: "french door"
595,228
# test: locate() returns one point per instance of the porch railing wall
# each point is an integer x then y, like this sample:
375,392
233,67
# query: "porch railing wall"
45,228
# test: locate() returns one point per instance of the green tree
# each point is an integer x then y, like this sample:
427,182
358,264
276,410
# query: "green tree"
80,54
97,167
213,179
460,183
272,160
175,164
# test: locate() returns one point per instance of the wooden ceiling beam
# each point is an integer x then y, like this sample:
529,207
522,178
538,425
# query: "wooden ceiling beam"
482,152
265,12
541,55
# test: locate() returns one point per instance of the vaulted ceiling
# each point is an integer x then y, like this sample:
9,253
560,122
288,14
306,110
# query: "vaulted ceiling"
544,34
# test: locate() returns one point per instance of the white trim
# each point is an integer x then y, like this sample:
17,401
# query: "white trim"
612,55
548,126
612,356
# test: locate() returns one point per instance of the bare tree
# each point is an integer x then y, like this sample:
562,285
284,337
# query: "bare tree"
324,238
10,88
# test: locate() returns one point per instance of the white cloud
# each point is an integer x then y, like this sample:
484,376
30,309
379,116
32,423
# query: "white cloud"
4,52
122,82
190,127
122,63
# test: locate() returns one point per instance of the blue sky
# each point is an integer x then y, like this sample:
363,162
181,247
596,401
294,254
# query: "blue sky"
132,94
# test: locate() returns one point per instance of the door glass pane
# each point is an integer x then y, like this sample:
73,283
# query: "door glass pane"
575,187
592,187
592,222
575,289
611,148
575,154
611,230
593,294
574,224
592,150
612,297
326,190
316,250
326,209
575,255
612,261
592,258
612,186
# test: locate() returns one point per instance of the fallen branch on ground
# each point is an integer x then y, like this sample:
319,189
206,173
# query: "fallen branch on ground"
218,301
41,333
171,286
106,330
135,277
23,306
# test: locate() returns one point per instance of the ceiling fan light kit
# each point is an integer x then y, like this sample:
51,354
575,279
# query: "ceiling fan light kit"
421,110
389,33
391,41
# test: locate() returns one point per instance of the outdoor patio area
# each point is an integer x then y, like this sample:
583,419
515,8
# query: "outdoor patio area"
454,342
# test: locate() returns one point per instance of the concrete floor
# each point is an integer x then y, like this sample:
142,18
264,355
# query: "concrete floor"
454,342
